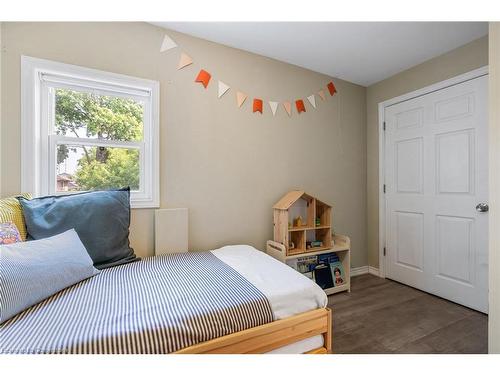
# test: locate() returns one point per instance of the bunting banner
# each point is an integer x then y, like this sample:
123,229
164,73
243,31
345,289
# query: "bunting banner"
184,61
274,107
300,105
204,78
257,105
312,100
288,108
222,89
240,98
331,88
167,44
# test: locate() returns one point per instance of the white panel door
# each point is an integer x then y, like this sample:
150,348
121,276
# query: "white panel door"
436,172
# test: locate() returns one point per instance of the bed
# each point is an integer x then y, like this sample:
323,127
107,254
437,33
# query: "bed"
235,299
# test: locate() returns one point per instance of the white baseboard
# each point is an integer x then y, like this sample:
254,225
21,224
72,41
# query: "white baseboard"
373,271
359,271
364,270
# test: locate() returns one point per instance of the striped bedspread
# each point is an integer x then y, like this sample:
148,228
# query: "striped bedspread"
157,305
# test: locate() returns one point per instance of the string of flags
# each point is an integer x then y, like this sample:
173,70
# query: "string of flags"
205,77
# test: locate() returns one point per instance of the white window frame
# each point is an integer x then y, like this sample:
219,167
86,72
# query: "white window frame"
38,145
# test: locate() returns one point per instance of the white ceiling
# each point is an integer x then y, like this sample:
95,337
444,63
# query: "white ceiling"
359,52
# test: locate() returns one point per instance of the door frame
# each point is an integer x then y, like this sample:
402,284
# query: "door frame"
476,73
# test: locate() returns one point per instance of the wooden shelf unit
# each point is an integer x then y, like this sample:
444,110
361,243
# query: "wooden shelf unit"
290,239
341,246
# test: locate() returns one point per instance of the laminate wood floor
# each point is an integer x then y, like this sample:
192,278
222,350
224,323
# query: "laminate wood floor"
383,316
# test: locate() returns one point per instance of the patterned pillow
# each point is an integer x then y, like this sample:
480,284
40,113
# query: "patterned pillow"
10,210
9,233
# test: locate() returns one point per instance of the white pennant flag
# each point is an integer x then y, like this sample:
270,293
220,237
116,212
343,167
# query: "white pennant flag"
274,107
167,44
312,100
222,88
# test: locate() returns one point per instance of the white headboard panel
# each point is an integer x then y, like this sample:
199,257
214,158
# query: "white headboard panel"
171,230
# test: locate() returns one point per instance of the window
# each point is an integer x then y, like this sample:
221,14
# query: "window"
84,129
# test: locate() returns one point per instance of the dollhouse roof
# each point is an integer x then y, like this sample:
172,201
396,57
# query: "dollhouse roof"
291,197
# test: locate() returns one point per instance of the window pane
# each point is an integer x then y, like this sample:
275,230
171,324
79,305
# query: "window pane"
82,168
86,115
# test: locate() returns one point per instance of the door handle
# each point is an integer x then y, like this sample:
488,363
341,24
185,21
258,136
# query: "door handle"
482,207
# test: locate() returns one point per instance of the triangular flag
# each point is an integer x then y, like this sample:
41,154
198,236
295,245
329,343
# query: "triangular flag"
331,88
222,88
288,108
167,44
274,107
240,98
184,61
312,100
299,103
203,78
321,94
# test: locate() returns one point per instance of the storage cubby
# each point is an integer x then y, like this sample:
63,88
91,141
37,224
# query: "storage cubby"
323,213
322,235
298,238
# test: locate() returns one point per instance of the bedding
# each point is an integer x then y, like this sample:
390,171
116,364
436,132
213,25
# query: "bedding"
101,219
163,304
31,271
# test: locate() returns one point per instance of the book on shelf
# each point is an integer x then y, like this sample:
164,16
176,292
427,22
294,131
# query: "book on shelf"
303,264
326,270
337,272
328,258
323,276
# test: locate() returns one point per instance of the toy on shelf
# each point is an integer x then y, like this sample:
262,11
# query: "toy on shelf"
297,221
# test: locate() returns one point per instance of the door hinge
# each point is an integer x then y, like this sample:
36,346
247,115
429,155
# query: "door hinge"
384,251
384,125
384,188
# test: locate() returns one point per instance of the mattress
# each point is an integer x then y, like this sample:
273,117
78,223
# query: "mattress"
163,304
288,291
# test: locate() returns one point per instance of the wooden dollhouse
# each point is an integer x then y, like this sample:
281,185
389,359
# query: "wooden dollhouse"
303,227
300,221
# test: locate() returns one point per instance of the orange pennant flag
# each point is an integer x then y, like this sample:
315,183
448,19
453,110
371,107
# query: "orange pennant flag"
257,105
331,88
321,94
300,105
288,108
203,78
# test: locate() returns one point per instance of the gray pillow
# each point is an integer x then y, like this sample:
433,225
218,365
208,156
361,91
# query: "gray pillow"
34,270
101,219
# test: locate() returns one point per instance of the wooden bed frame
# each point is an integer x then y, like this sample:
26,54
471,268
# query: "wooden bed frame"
277,334
264,338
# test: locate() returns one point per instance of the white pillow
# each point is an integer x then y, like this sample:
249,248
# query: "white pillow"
32,271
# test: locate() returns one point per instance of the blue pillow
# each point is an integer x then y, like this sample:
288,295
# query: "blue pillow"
101,219
34,270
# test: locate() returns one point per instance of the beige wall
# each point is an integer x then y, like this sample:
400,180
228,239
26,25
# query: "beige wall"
227,165
494,81
453,63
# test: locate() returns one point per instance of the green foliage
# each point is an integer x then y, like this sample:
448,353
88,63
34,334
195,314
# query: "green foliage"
121,169
103,117
79,114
